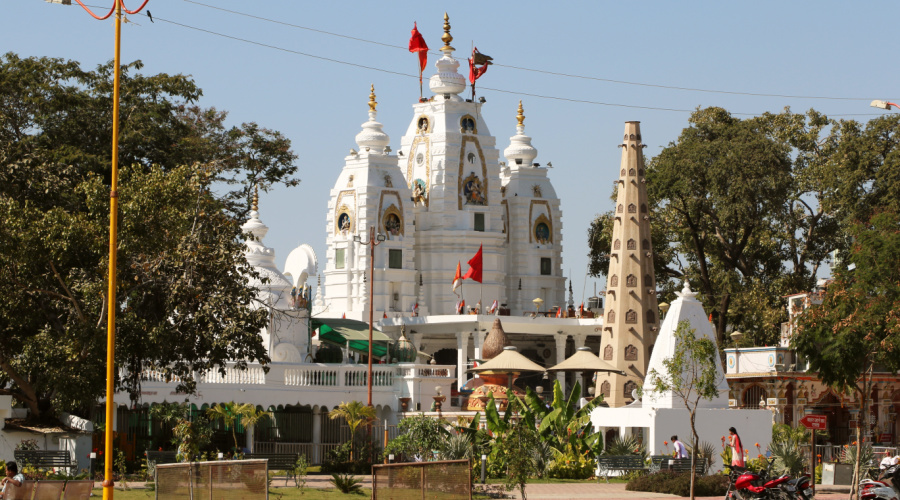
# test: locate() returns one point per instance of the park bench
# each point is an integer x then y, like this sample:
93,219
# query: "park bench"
607,463
661,462
45,459
285,462
160,457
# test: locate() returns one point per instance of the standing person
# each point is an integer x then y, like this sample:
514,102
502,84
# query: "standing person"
12,477
680,448
737,451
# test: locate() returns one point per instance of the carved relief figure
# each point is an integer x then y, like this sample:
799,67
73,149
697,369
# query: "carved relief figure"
344,222
631,353
350,182
422,125
608,353
419,191
467,125
604,389
536,190
387,181
392,225
473,190
542,233
471,158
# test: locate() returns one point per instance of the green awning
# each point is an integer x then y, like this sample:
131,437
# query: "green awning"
343,332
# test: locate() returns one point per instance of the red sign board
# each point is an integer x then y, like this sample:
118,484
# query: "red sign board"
817,422
885,438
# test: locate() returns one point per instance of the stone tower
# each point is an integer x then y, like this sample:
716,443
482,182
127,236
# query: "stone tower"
533,226
632,317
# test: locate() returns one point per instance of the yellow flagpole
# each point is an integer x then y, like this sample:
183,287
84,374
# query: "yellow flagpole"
108,483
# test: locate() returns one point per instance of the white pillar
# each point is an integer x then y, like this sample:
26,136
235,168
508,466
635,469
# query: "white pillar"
560,357
317,455
462,348
478,339
249,438
579,339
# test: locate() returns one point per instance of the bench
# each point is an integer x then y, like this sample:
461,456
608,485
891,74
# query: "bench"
684,465
161,457
285,462
606,463
45,459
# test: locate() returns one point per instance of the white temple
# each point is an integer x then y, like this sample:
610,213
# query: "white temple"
399,220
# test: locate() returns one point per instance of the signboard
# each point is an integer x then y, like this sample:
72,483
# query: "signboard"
816,422
885,438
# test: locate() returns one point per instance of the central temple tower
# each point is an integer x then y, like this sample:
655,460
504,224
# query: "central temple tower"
450,162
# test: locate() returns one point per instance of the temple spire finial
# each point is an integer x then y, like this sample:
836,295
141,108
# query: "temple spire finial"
447,37
255,206
372,102
521,116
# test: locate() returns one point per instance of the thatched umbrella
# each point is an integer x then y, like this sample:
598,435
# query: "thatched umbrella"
509,361
584,361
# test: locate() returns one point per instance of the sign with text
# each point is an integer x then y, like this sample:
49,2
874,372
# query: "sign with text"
816,422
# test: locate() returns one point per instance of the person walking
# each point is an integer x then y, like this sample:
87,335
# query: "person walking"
680,448
12,477
737,450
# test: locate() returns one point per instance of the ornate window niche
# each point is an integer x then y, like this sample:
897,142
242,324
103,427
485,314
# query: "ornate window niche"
631,317
617,245
631,172
632,208
622,173
423,125
631,353
643,208
343,221
631,281
621,209
651,317
614,280
468,125
542,231
645,244
632,245
604,389
392,222
629,387
611,317
608,353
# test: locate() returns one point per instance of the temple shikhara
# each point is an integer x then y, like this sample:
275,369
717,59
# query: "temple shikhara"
405,221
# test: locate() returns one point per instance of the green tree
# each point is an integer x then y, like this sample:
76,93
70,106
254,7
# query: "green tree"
355,414
691,375
419,436
190,433
855,330
563,425
183,292
233,413
748,209
518,444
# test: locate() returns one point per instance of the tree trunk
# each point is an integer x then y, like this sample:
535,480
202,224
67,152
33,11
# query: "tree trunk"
26,393
696,441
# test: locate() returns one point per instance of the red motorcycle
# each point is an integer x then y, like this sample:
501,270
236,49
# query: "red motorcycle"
747,485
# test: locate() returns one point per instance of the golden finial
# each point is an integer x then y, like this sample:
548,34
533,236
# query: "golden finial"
521,115
446,37
255,206
372,102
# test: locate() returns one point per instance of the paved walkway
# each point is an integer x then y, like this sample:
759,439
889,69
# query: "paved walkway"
561,491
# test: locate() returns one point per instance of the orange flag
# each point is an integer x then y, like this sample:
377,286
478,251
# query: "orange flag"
457,280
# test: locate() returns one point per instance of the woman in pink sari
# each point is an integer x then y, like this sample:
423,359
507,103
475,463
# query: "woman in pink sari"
737,451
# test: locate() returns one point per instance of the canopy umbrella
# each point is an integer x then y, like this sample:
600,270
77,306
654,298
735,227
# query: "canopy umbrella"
584,361
353,334
508,361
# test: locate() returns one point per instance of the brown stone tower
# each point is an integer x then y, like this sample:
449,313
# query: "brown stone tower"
632,316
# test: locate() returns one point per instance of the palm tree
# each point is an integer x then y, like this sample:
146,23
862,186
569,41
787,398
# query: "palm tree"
355,414
231,413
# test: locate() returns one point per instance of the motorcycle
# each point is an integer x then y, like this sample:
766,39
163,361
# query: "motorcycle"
749,485
884,488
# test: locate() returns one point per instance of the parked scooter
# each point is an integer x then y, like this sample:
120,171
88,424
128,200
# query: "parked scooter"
747,485
886,487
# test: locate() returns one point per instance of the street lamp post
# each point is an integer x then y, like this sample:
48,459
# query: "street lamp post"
117,8
883,104
374,241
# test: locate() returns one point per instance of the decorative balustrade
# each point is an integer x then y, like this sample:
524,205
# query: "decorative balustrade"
253,375
313,376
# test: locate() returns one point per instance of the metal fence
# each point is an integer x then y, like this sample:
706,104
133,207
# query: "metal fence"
226,480
447,480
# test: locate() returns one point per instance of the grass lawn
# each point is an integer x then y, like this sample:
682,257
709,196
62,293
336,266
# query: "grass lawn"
274,493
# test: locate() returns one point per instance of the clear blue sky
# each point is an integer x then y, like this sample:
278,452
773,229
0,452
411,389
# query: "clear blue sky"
827,49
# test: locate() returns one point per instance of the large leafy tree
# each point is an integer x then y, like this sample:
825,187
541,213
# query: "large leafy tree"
855,330
183,293
750,209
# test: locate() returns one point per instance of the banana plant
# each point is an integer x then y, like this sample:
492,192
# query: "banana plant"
563,425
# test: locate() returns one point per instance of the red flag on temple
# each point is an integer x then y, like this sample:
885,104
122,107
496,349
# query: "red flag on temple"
417,44
475,267
475,71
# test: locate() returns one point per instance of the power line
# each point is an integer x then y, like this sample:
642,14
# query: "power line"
408,75
533,70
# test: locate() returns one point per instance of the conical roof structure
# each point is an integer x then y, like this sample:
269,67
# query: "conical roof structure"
509,361
495,341
582,361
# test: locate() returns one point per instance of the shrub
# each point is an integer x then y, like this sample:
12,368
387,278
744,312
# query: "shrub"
679,483
346,483
571,467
